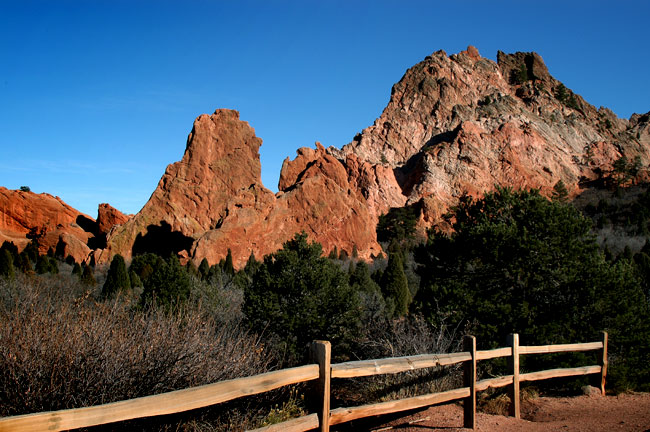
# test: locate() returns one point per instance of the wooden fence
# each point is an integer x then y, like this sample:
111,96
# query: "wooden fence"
322,373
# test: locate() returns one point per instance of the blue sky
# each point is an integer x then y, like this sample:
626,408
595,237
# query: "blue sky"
97,97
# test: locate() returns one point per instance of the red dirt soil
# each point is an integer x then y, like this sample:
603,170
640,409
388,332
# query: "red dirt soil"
625,412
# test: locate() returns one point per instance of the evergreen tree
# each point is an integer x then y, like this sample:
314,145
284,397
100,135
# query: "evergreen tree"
561,93
134,279
12,249
168,285
144,265
394,284
204,269
360,279
560,192
6,264
298,296
53,265
87,276
117,279
31,250
42,264
252,265
59,252
215,273
76,270
398,225
191,268
228,267
23,263
517,262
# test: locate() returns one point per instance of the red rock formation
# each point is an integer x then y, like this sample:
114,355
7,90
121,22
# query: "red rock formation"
49,217
213,200
462,124
454,125
108,217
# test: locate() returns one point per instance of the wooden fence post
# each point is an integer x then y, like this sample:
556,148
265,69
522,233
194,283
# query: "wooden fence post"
322,354
469,380
602,362
513,341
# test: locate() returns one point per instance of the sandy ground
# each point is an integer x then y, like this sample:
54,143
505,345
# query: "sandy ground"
625,412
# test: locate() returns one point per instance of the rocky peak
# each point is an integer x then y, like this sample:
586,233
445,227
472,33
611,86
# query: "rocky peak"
523,66
213,200
108,217
454,125
461,124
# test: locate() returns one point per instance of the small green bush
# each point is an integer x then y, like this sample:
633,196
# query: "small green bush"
117,279
6,264
297,296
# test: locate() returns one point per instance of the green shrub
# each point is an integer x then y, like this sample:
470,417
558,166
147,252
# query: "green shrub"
561,93
6,264
76,270
87,276
395,285
117,279
519,263
46,264
168,285
297,296
204,269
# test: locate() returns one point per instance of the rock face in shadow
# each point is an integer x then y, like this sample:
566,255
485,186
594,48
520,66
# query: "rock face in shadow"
24,215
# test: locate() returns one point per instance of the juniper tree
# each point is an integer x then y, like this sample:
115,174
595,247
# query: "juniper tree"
6,264
117,279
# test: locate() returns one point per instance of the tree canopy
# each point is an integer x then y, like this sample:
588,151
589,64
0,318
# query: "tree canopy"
517,262
297,296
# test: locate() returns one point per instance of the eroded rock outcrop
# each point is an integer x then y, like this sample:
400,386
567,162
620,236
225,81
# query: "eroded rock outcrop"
24,215
462,124
454,125
108,217
213,200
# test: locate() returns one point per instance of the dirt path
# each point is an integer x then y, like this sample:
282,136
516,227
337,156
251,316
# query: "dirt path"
626,412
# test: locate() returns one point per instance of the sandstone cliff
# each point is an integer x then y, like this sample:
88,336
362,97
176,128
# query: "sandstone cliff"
24,215
213,200
462,124
454,125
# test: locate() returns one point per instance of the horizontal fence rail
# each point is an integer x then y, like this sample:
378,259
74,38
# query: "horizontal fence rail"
160,404
394,365
322,372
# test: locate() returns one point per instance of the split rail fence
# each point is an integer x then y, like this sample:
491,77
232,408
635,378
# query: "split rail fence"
322,373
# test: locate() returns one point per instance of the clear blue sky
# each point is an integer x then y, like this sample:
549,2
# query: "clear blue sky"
97,97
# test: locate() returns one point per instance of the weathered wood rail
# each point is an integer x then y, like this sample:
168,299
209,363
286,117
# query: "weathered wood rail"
322,373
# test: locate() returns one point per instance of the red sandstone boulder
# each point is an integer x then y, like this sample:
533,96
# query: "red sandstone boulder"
108,217
24,214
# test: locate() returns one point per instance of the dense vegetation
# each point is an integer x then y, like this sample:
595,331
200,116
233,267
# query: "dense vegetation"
517,262
514,262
